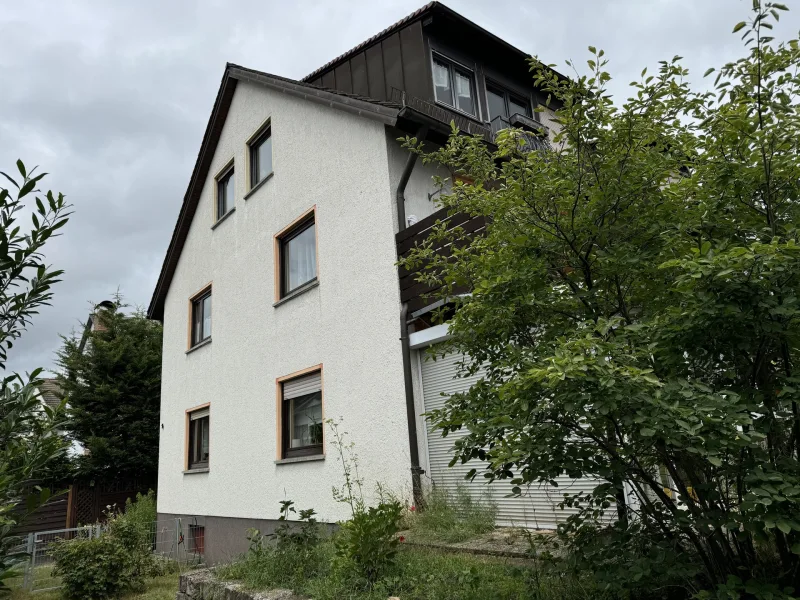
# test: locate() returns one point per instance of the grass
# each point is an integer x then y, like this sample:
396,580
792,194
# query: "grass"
418,574
158,588
452,517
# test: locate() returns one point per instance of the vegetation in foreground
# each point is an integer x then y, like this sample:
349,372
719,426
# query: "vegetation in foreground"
30,443
417,574
635,312
120,560
163,587
450,517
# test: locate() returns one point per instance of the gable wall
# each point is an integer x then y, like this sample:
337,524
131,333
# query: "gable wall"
349,323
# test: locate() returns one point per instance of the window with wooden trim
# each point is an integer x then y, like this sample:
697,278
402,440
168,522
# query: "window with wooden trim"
454,85
198,442
260,156
301,416
297,248
225,192
201,318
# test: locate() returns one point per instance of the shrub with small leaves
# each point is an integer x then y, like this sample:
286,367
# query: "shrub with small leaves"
368,542
97,568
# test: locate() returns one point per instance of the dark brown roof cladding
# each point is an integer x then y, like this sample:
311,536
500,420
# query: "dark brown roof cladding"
407,19
429,8
385,112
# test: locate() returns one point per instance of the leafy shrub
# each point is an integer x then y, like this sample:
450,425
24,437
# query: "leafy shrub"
452,517
369,540
97,568
287,557
119,559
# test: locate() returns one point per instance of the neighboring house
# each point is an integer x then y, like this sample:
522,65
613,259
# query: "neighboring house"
297,209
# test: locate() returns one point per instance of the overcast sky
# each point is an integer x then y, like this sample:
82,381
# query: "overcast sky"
112,99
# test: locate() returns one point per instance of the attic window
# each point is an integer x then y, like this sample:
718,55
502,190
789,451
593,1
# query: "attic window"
454,85
260,156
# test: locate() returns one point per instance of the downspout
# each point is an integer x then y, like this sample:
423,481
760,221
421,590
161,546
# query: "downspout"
411,413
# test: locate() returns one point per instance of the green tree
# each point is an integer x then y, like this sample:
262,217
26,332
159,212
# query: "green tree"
29,441
112,383
635,301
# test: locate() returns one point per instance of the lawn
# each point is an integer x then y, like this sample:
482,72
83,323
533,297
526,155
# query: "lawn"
159,588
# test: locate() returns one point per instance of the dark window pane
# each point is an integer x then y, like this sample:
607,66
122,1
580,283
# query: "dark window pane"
201,319
225,194
207,316
198,442
441,83
305,415
464,99
497,105
518,106
299,259
261,158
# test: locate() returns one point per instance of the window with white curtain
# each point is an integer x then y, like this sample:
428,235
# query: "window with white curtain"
453,85
298,257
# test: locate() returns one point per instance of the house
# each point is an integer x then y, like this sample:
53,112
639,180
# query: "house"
280,297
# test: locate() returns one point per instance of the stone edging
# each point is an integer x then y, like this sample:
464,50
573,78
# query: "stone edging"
469,550
203,585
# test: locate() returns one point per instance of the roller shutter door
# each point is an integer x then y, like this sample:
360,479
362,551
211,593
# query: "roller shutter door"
536,508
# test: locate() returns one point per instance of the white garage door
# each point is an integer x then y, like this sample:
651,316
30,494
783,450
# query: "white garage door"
536,508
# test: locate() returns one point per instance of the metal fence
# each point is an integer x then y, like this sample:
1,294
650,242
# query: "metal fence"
176,542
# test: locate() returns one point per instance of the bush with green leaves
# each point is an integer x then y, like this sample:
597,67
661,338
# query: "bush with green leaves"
635,310
100,567
117,560
367,542
287,557
29,440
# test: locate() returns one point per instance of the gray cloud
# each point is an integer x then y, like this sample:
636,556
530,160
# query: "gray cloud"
112,99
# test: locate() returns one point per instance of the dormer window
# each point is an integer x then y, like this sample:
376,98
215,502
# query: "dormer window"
504,104
454,85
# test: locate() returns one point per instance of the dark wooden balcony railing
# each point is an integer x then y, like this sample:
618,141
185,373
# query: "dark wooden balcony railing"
418,295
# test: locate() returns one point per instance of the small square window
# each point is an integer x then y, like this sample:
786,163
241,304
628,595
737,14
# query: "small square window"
225,193
298,256
260,157
453,85
201,318
198,446
301,416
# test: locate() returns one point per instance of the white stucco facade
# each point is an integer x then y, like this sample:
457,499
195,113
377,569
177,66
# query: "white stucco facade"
349,323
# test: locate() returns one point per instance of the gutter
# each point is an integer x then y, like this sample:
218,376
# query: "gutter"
411,413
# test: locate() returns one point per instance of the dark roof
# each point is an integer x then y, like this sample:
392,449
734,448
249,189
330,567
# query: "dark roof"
420,13
51,392
388,31
386,112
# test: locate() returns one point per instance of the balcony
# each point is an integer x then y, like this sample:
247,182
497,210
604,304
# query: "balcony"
421,295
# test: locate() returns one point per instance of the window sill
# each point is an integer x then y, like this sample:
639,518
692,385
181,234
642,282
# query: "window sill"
257,186
205,342
300,459
223,217
298,292
194,471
